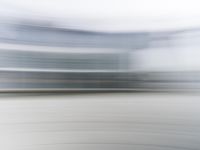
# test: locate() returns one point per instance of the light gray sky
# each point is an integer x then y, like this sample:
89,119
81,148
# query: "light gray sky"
110,15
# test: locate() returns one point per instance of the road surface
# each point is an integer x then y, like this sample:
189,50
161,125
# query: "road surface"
101,121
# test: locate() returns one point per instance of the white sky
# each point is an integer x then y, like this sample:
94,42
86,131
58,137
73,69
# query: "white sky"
109,15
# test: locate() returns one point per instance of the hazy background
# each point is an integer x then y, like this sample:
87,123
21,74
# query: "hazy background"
109,15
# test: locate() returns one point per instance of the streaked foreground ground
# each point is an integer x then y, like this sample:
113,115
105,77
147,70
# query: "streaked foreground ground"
124,121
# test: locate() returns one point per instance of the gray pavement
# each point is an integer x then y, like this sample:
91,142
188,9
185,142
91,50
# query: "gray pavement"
109,121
